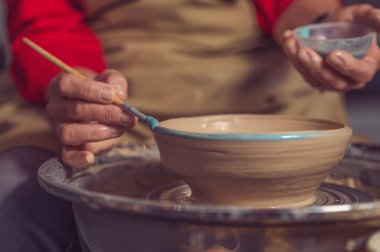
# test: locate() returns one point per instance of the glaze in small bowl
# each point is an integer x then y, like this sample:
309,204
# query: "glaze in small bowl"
326,37
256,160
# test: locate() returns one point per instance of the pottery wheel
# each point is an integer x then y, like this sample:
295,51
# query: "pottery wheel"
332,194
327,194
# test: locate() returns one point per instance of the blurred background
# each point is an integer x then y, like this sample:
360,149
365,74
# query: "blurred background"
3,57
362,105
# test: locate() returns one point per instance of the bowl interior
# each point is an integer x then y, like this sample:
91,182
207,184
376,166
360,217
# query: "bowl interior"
248,124
332,31
326,37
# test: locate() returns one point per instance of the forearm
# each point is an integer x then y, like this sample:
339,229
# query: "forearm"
301,12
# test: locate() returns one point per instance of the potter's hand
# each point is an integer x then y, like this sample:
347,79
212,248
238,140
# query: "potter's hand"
85,119
339,71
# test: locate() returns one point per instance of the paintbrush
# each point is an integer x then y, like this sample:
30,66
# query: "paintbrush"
149,120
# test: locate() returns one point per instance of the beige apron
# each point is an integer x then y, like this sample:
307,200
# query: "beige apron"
202,57
194,57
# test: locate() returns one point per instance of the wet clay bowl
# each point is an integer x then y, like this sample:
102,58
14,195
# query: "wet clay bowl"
326,37
257,160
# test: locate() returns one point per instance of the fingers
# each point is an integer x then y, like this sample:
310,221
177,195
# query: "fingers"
298,57
80,145
116,79
83,156
364,14
73,87
75,134
86,121
327,77
80,111
95,147
339,71
77,158
359,70
374,19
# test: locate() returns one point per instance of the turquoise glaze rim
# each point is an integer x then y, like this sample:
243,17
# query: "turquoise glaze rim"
247,137
335,129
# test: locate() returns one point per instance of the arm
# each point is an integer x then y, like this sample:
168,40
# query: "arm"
84,119
58,27
268,12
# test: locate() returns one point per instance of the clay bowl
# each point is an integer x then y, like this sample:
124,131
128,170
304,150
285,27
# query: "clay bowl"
257,160
326,37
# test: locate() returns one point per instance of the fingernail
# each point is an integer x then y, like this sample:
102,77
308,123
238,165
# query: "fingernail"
291,46
115,132
87,160
120,91
303,57
107,94
337,59
110,131
315,60
313,57
126,119
287,33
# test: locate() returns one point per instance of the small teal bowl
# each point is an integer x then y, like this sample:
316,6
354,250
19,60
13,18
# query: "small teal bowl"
326,37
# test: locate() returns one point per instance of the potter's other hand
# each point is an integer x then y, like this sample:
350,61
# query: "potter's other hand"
85,119
339,71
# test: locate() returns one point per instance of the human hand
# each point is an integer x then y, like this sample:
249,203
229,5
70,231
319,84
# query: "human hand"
339,71
85,120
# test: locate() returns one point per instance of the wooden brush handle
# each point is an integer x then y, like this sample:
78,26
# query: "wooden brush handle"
59,63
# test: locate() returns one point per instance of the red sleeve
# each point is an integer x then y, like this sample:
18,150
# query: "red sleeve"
268,11
57,26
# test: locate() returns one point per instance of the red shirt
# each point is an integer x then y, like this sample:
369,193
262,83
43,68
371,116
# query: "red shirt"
59,27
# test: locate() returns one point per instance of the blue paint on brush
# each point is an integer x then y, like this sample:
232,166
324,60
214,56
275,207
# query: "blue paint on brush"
149,120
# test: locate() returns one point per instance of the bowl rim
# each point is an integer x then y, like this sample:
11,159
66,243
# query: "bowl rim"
341,129
369,31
